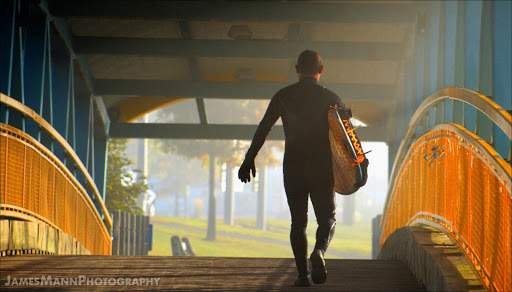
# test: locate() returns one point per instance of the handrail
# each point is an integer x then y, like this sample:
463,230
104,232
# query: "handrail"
26,214
504,169
404,206
45,125
484,104
62,168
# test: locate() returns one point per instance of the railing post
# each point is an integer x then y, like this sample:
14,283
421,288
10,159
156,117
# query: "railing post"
122,233
133,230
139,235
115,232
376,235
145,235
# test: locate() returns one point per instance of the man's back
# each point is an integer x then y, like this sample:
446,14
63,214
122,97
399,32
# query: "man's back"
303,109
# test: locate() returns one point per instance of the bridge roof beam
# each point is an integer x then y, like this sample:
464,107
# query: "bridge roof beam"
214,131
239,48
229,90
237,11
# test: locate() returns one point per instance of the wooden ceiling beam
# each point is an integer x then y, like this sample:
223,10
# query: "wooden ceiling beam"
240,48
229,90
296,11
214,131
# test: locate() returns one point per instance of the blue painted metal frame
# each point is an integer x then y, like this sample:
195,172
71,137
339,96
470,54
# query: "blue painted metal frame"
502,71
473,24
36,46
484,125
464,44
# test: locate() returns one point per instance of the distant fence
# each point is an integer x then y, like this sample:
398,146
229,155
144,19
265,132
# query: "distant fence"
132,234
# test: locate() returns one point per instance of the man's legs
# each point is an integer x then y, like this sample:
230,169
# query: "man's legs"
298,203
324,203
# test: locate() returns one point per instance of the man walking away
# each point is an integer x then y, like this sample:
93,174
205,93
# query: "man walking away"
307,165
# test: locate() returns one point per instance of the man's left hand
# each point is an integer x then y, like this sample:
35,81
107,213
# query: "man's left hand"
244,174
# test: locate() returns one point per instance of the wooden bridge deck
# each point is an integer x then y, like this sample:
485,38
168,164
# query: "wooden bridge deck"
204,273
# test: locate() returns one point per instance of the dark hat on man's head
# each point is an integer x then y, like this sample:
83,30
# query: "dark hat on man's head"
309,62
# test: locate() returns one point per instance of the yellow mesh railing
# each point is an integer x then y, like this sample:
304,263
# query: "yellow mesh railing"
466,190
35,185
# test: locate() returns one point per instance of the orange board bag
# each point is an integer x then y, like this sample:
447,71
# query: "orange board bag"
349,163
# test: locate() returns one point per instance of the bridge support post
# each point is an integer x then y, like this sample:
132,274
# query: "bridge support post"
229,202
349,208
376,235
210,233
261,218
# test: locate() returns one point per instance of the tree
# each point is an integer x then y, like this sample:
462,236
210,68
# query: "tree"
124,185
229,152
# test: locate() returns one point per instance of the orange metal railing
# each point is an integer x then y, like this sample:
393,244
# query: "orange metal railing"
451,179
465,192
35,185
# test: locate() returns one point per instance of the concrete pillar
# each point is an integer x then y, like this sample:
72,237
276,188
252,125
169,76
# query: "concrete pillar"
229,200
210,233
142,164
176,205
185,201
261,219
349,210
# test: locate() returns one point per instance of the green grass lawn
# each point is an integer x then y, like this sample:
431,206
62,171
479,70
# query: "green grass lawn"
349,239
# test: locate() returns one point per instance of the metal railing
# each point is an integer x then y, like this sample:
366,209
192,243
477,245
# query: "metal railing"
450,178
37,186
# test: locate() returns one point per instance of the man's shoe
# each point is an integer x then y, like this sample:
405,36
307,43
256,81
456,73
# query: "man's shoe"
303,281
318,272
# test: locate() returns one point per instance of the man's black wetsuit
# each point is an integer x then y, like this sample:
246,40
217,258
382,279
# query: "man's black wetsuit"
307,165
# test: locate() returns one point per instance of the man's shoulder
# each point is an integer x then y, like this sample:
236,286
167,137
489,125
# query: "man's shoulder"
286,90
330,94
289,87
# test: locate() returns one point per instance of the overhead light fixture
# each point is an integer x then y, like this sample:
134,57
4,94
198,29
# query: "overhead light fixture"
240,32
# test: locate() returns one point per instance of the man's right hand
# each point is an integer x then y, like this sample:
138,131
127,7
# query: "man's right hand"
244,173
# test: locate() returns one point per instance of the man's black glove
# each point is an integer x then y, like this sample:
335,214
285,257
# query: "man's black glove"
244,173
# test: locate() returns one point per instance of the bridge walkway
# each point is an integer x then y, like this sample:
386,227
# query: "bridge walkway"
208,273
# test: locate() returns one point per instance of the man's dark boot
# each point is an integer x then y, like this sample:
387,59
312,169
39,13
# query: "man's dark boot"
318,271
303,281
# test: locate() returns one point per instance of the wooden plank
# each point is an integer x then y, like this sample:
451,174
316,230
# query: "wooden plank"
132,230
115,232
140,239
214,274
4,235
146,235
122,227
17,237
42,237
31,230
